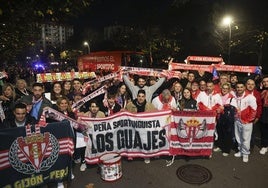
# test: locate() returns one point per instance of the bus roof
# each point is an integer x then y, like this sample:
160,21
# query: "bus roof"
112,52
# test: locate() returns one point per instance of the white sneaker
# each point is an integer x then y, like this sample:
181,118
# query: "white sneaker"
72,176
238,154
245,158
83,167
225,154
147,160
263,150
217,149
60,185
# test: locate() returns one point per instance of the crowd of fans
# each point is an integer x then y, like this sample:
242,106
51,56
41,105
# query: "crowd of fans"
240,103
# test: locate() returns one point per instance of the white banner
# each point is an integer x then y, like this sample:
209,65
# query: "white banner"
131,135
150,134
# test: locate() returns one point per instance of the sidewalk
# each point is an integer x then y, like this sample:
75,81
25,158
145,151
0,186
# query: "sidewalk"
227,172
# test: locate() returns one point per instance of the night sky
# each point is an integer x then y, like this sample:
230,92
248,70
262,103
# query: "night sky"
203,16
158,12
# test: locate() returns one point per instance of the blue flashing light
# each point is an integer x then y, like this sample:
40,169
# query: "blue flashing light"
39,65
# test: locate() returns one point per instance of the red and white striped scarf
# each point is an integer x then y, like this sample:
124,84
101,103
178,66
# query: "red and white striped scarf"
166,105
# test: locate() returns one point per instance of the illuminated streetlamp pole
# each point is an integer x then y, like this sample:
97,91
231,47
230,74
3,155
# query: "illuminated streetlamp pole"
88,47
228,21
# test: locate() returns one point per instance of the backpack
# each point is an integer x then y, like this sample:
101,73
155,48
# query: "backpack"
227,118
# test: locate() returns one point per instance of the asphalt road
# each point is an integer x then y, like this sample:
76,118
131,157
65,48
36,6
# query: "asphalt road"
227,172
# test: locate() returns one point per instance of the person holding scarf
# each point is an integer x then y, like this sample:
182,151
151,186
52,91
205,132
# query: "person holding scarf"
109,105
39,101
141,84
63,106
122,95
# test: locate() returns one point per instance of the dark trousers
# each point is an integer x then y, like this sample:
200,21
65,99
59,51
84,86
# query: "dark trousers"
225,136
253,135
79,153
264,134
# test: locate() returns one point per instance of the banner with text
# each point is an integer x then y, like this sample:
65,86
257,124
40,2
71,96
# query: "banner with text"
150,134
218,67
33,156
131,135
182,66
204,59
239,68
63,76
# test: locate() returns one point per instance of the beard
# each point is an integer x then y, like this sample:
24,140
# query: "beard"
37,96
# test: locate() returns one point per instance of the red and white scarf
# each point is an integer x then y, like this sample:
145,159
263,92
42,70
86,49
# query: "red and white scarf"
166,105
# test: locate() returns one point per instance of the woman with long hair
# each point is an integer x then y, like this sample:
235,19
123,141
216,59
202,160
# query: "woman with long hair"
7,100
56,92
67,87
63,106
187,103
122,95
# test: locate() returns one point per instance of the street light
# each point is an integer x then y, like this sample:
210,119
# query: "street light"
227,21
88,47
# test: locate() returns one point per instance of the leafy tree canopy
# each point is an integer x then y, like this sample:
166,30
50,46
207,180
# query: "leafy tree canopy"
19,19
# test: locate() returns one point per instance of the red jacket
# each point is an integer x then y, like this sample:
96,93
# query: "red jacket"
247,107
257,95
217,88
209,102
195,94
